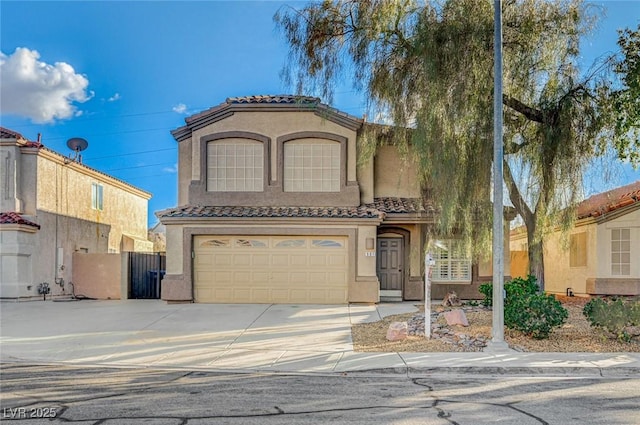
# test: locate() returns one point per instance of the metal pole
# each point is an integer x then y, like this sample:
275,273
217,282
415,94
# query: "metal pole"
427,296
498,226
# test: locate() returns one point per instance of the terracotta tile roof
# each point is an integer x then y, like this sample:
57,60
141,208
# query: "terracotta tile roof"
15,218
401,205
280,98
5,133
378,209
191,211
609,201
283,102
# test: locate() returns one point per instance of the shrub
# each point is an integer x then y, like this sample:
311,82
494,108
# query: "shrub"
614,315
534,315
517,287
486,289
525,309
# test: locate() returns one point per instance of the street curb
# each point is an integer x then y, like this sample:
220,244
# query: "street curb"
632,372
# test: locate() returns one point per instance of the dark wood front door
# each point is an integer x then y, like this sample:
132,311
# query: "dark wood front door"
389,264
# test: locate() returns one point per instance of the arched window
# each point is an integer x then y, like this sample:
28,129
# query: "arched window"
312,165
235,165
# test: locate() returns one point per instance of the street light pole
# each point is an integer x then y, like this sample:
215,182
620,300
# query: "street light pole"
497,341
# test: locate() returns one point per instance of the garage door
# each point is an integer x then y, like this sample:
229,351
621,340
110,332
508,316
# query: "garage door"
271,269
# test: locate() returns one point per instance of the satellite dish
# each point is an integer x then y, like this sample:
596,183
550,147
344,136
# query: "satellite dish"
77,144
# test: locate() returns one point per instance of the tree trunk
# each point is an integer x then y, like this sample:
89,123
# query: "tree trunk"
536,257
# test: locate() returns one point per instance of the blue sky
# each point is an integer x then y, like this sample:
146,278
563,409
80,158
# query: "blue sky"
123,74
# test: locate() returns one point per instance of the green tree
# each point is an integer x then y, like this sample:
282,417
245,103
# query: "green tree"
428,66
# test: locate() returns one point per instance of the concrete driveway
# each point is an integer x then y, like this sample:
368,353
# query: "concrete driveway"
247,337
213,336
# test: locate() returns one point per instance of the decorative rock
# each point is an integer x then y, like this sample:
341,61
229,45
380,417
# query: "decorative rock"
451,299
456,317
632,330
397,331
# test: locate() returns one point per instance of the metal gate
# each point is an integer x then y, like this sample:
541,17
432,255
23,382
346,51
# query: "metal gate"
146,271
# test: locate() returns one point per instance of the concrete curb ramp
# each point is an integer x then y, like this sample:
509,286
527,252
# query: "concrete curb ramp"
265,338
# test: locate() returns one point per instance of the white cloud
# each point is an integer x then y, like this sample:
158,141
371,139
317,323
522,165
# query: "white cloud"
180,108
173,169
114,98
37,90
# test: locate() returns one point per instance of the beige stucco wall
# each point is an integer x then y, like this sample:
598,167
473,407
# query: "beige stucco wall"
55,192
394,175
65,189
100,276
603,255
185,149
559,275
17,248
273,125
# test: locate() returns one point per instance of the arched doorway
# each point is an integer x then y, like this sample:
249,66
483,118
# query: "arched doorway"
392,261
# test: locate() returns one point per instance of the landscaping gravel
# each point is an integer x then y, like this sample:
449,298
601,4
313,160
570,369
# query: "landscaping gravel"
576,335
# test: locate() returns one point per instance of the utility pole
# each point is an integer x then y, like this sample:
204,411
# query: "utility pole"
497,341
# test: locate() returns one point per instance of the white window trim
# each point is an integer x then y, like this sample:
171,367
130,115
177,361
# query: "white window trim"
463,263
620,252
97,196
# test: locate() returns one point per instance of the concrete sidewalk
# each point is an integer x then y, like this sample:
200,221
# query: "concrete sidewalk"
250,338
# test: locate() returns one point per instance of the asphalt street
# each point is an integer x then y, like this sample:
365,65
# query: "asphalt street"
56,394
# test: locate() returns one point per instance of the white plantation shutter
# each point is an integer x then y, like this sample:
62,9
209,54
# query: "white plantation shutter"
453,263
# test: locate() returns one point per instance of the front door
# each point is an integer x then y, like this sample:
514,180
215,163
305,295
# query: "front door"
389,266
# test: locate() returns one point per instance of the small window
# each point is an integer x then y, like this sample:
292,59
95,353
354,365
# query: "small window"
215,242
621,252
578,250
96,196
290,243
250,243
326,243
453,263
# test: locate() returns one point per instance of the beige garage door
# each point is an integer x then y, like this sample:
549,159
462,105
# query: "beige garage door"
271,269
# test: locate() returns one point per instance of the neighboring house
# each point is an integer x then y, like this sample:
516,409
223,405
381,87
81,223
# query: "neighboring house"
158,236
52,206
277,206
601,254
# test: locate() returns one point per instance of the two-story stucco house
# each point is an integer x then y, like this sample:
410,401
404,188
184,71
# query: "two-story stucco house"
600,255
277,206
52,206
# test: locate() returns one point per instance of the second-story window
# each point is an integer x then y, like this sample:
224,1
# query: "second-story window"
235,166
311,166
96,196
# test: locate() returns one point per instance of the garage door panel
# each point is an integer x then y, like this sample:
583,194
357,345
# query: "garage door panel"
274,269
336,260
221,259
317,260
259,260
281,260
298,260
242,277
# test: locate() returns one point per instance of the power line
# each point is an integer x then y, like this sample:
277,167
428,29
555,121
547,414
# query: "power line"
139,166
127,154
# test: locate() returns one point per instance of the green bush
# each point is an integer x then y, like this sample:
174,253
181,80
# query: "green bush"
613,315
486,289
514,288
534,315
527,310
